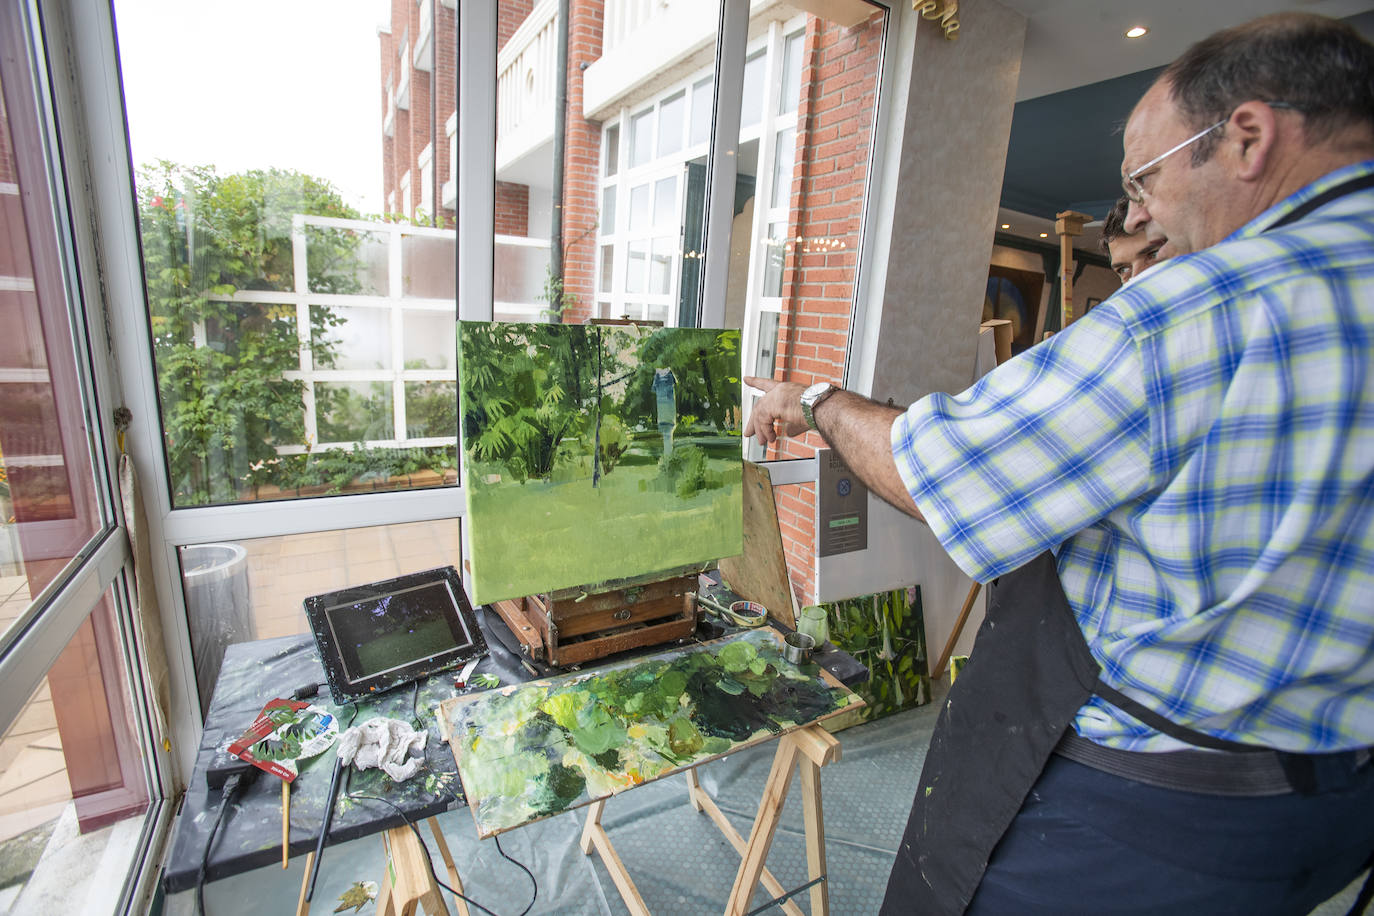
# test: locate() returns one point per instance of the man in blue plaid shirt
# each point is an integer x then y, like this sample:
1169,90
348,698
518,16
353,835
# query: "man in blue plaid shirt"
1197,452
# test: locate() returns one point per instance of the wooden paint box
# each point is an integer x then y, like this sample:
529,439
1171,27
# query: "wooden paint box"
570,626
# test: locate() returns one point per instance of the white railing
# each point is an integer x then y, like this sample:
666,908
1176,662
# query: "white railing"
622,18
526,69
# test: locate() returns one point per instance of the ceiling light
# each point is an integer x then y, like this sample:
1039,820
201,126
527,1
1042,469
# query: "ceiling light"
1137,31
1044,235
1006,225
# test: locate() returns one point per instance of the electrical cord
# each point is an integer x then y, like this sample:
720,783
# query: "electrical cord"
228,795
429,859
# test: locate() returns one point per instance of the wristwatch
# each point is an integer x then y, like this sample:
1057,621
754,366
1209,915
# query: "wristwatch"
812,397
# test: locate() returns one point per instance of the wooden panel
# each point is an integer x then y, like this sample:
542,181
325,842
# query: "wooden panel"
760,572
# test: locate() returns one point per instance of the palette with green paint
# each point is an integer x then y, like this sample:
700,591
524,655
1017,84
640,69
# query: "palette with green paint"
533,750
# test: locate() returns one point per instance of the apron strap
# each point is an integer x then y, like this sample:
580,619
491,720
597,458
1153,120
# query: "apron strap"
1168,726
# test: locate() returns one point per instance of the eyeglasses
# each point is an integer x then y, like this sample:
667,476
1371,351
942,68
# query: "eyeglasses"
1135,191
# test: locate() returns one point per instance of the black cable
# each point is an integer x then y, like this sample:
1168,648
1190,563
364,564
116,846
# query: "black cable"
429,859
228,795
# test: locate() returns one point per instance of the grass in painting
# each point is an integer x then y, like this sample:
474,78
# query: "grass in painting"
886,633
597,453
537,749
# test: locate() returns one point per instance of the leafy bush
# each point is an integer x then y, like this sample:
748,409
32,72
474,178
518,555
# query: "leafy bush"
685,472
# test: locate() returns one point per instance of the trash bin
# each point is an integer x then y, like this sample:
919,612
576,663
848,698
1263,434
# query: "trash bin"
219,607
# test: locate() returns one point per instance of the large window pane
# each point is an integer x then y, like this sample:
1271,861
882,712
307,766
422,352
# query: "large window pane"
277,256
670,123
49,509
73,781
254,589
796,242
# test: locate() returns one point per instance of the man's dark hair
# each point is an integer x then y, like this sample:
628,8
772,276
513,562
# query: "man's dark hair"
1114,226
1321,67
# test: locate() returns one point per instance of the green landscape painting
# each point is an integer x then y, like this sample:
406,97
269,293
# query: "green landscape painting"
886,634
533,750
596,453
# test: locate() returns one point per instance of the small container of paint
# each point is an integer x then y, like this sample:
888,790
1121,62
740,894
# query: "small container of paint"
748,614
797,648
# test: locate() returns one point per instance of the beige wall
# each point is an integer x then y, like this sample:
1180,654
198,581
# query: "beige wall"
954,149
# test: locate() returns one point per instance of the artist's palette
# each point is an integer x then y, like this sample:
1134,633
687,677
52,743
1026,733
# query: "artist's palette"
533,750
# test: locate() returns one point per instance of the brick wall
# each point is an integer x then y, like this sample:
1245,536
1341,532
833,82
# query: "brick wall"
510,14
834,132
512,208
580,167
413,131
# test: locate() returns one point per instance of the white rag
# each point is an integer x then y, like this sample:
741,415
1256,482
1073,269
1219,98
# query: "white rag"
392,745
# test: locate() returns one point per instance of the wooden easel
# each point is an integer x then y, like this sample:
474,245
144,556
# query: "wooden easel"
407,882
807,749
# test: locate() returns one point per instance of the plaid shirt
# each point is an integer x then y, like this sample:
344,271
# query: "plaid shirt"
1198,451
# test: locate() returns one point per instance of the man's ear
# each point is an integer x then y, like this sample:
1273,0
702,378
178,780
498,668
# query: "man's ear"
1250,137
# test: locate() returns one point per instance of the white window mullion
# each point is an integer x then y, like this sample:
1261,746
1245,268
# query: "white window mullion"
733,35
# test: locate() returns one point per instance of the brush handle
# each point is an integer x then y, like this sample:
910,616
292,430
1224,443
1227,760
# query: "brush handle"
324,827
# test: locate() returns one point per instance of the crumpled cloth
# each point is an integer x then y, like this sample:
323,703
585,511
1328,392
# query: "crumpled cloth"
389,744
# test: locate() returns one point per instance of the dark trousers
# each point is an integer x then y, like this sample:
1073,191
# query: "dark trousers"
1086,841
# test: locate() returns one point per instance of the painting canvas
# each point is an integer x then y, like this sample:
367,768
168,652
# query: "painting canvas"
533,750
597,453
885,633
1015,295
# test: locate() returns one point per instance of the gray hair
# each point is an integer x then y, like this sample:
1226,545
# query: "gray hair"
1321,67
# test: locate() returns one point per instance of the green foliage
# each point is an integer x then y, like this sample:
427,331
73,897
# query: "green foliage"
225,404
687,472
886,633
614,441
705,366
338,468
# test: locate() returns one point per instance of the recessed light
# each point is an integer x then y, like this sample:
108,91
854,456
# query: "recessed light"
1044,235
1137,31
1006,225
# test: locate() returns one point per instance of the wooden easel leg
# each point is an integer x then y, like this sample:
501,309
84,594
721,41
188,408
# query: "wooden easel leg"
303,905
707,805
412,885
814,818
455,882
594,837
765,825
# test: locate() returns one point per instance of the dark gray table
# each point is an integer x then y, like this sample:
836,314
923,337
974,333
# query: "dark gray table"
255,672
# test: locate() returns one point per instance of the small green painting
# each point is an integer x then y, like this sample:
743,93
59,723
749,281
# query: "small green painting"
885,633
597,453
533,750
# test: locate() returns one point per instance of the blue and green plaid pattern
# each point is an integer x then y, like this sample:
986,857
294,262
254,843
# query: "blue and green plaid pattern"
1198,450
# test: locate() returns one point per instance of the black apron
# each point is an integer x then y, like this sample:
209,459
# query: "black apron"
1029,673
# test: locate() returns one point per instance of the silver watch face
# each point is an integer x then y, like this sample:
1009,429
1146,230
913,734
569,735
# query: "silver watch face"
815,391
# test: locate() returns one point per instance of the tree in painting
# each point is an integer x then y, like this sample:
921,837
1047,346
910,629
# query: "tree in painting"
564,429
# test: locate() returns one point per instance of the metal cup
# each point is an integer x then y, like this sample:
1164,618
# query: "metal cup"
796,648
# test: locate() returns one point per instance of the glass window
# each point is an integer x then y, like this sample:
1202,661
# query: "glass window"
608,211
665,201
640,217
320,217
49,504
661,267
702,111
255,589
789,87
641,138
612,149
637,267
751,103
607,267
428,339
71,769
671,114
784,155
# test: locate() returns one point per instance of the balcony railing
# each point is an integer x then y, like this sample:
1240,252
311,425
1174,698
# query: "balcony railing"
526,69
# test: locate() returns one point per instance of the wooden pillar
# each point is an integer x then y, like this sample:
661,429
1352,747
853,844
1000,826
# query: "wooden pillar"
1068,224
